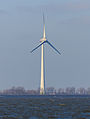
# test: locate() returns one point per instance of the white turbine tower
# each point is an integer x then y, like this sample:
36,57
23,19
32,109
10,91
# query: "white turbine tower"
42,42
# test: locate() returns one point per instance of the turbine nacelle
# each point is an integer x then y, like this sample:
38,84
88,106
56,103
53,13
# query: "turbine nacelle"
43,39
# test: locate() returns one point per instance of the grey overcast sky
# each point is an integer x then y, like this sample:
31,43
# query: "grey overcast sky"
67,28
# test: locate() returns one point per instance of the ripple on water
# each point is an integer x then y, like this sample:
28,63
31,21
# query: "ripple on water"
33,117
46,108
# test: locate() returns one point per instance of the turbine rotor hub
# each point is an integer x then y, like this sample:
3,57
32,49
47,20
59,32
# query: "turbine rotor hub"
43,39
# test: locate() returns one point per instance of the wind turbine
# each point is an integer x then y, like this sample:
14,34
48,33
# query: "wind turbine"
42,42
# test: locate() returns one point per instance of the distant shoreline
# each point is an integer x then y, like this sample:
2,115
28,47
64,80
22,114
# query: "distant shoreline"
46,96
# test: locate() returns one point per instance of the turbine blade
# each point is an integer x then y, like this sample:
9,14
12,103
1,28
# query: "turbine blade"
44,34
53,47
38,46
43,18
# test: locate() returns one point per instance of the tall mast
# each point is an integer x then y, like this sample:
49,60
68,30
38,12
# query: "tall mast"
42,85
42,88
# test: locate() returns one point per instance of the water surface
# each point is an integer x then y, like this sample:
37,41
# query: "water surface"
45,107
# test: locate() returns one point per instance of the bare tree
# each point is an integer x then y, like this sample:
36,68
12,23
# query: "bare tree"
60,91
70,90
50,91
81,91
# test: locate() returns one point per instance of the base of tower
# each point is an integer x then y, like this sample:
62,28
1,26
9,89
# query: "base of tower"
42,92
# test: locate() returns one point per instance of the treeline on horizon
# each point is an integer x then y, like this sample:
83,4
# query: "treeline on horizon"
48,91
